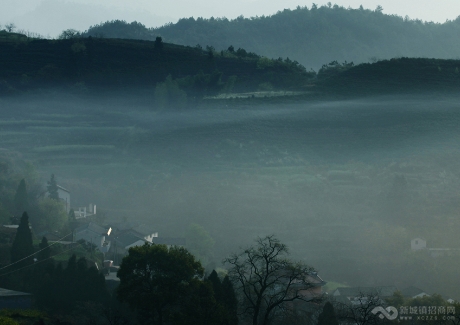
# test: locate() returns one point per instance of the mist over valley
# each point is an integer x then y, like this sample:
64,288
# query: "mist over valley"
321,175
232,186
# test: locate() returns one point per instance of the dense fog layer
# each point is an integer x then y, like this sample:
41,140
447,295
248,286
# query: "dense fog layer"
346,184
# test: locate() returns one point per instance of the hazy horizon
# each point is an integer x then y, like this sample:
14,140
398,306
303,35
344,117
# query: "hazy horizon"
50,17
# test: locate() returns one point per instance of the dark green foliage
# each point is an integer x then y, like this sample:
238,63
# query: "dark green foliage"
72,215
396,300
200,306
169,95
61,289
216,285
69,33
225,298
21,200
22,246
327,316
53,189
332,69
158,45
229,301
399,75
154,280
45,250
120,29
94,64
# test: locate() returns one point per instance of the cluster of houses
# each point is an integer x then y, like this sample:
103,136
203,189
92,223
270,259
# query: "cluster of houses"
354,295
117,238
419,244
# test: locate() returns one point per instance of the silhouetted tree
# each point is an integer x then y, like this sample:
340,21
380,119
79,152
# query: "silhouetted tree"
225,298
361,310
62,289
199,306
21,200
72,215
69,33
158,45
216,285
53,188
154,280
266,280
45,250
229,301
327,316
10,27
22,247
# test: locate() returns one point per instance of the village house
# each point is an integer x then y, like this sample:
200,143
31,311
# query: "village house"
15,299
94,234
413,292
84,212
355,295
418,244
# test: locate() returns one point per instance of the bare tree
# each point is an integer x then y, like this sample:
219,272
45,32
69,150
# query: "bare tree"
360,310
10,27
268,283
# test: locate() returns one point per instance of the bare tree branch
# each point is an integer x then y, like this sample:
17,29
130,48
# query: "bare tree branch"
268,283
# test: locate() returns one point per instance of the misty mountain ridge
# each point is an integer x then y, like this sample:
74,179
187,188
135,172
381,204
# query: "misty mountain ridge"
312,36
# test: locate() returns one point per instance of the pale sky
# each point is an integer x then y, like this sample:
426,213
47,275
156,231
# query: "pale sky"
50,17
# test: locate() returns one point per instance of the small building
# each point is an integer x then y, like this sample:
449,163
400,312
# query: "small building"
15,299
84,212
136,229
94,234
413,292
417,244
355,295
121,242
317,284
170,241
64,196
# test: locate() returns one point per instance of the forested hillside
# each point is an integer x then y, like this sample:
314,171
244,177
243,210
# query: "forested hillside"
312,36
101,64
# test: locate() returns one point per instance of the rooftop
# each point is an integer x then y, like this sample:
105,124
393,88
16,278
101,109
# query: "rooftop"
9,293
386,291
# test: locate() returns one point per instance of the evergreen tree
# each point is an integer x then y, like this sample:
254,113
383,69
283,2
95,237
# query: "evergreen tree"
21,201
327,316
46,252
72,215
216,285
22,245
53,188
229,301
66,288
